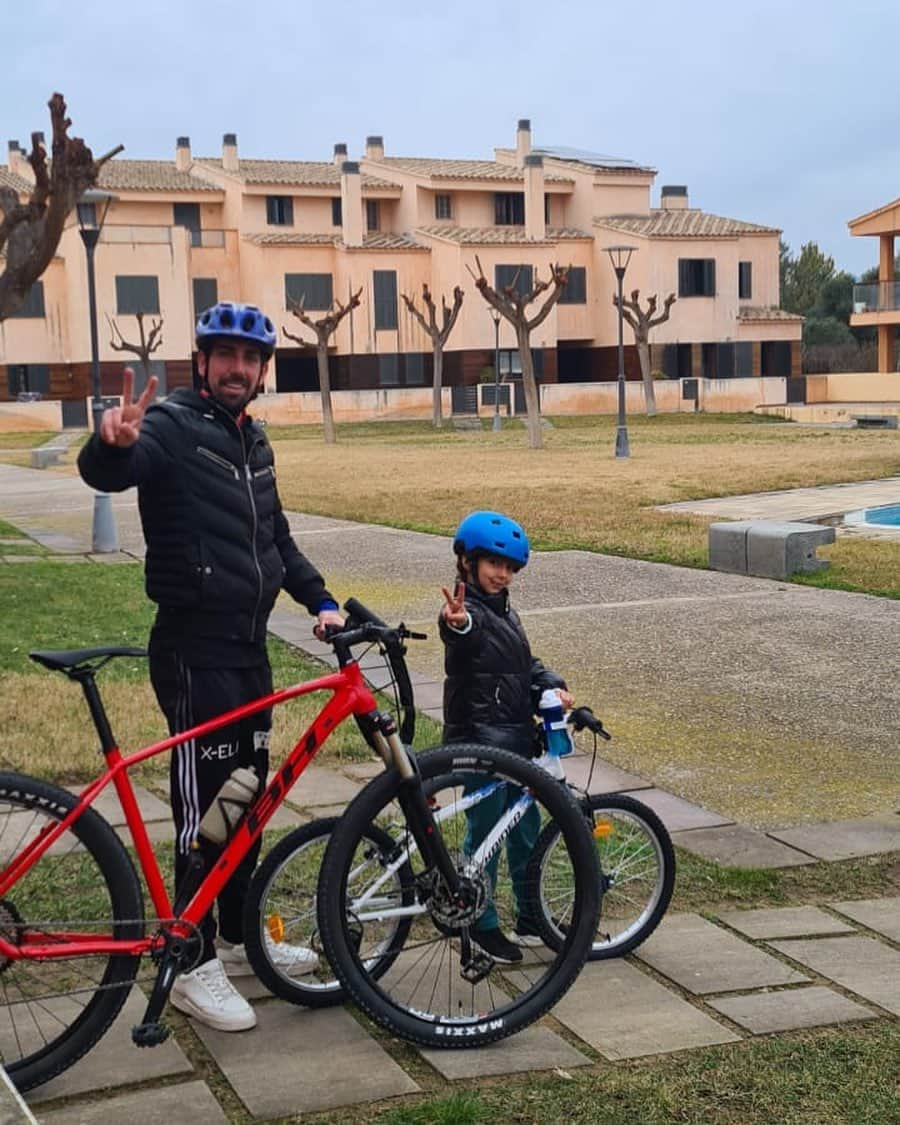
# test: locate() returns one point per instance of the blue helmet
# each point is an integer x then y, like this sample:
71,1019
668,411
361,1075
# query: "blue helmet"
491,533
232,320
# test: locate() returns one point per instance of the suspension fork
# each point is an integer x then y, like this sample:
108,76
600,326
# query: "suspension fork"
413,802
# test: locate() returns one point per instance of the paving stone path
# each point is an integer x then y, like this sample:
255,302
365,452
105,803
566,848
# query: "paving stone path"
696,982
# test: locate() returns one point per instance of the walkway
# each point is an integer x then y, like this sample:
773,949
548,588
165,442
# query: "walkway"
808,669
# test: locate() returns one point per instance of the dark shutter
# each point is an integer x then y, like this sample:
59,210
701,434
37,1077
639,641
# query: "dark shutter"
136,295
709,277
509,208
315,290
336,214
388,370
34,303
206,293
725,361
670,360
575,290
504,276
188,215
745,280
385,286
415,369
743,360
373,221
279,211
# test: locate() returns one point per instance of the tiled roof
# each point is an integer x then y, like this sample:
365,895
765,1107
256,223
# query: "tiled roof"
463,169
14,181
299,173
483,236
563,233
150,175
684,223
376,240
756,313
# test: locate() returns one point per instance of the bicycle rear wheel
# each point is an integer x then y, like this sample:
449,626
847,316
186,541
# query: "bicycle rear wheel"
281,907
53,1011
442,990
637,875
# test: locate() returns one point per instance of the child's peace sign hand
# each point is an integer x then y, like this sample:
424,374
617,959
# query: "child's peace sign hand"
121,425
454,609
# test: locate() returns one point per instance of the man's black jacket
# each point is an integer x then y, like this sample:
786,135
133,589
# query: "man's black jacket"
493,683
218,545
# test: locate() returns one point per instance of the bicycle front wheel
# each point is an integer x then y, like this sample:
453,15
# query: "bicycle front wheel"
84,887
281,907
444,989
637,875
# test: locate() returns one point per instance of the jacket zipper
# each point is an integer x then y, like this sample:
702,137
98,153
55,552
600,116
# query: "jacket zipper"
222,462
259,582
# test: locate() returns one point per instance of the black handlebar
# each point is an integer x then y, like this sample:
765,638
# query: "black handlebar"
583,718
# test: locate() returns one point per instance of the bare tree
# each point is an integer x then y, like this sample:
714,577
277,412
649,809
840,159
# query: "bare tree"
30,232
641,321
513,305
438,334
146,346
324,329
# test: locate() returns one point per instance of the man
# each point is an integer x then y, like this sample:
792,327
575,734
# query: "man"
219,549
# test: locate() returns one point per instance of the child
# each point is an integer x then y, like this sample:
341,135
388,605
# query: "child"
491,691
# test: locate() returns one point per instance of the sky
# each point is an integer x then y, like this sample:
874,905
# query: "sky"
782,113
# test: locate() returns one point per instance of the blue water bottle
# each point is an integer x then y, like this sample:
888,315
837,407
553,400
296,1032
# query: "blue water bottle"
556,729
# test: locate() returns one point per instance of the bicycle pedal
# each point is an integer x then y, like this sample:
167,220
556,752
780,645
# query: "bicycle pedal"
150,1034
476,968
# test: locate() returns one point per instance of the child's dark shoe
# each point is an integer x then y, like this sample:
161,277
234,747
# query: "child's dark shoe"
497,945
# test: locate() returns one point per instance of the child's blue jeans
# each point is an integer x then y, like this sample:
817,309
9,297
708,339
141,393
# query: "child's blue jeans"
520,843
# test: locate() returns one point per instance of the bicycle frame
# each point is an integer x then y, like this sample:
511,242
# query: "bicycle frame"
350,695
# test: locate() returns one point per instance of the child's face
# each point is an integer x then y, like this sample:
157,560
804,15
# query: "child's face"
494,574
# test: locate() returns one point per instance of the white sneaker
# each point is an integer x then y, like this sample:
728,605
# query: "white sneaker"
292,960
210,997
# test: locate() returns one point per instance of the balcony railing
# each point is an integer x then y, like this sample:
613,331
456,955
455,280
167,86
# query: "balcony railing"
877,296
133,235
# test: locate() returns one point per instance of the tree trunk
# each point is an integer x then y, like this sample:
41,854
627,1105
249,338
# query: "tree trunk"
325,390
643,348
529,384
437,416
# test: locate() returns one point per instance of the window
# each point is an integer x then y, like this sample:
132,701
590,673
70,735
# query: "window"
188,215
442,209
206,294
315,290
575,290
137,295
279,211
696,277
385,285
415,369
745,280
546,209
32,379
509,208
389,370
372,215
520,276
337,218
743,359
34,303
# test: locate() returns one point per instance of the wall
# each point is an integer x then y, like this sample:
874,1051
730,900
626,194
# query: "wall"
849,388
22,417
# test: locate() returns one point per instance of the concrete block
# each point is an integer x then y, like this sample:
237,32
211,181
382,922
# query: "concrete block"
186,1102
845,839
879,914
535,1048
736,845
778,549
785,921
43,456
859,964
728,546
765,1012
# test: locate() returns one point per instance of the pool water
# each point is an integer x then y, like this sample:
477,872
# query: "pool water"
886,516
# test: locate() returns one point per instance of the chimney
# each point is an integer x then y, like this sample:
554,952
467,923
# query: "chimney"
375,148
17,161
523,140
183,154
340,153
230,160
351,204
535,227
673,197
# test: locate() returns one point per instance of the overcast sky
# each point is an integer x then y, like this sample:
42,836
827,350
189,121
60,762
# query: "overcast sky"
779,112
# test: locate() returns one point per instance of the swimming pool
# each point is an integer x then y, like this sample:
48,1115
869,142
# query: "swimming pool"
886,517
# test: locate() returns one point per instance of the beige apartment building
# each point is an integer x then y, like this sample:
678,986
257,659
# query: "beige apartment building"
182,234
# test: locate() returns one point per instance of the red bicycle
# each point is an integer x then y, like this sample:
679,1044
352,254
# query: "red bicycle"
401,897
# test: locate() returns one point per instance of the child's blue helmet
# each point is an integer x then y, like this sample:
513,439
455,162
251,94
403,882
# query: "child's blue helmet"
232,320
492,533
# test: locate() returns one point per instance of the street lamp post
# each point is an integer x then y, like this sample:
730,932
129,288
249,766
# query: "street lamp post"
495,317
620,256
91,209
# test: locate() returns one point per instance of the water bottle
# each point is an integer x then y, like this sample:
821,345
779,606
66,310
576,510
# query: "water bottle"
229,805
556,734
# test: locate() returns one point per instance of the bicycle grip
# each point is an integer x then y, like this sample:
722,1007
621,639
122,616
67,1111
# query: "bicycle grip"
361,614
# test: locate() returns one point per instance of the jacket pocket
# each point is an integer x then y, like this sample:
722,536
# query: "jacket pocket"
220,461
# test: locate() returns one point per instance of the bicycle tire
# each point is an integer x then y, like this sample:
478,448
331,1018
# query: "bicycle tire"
637,875
86,879
424,997
281,905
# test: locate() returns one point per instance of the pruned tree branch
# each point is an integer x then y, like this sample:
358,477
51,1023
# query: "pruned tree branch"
147,345
439,335
30,231
641,322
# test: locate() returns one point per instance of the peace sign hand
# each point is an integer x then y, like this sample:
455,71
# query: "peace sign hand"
121,425
454,610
